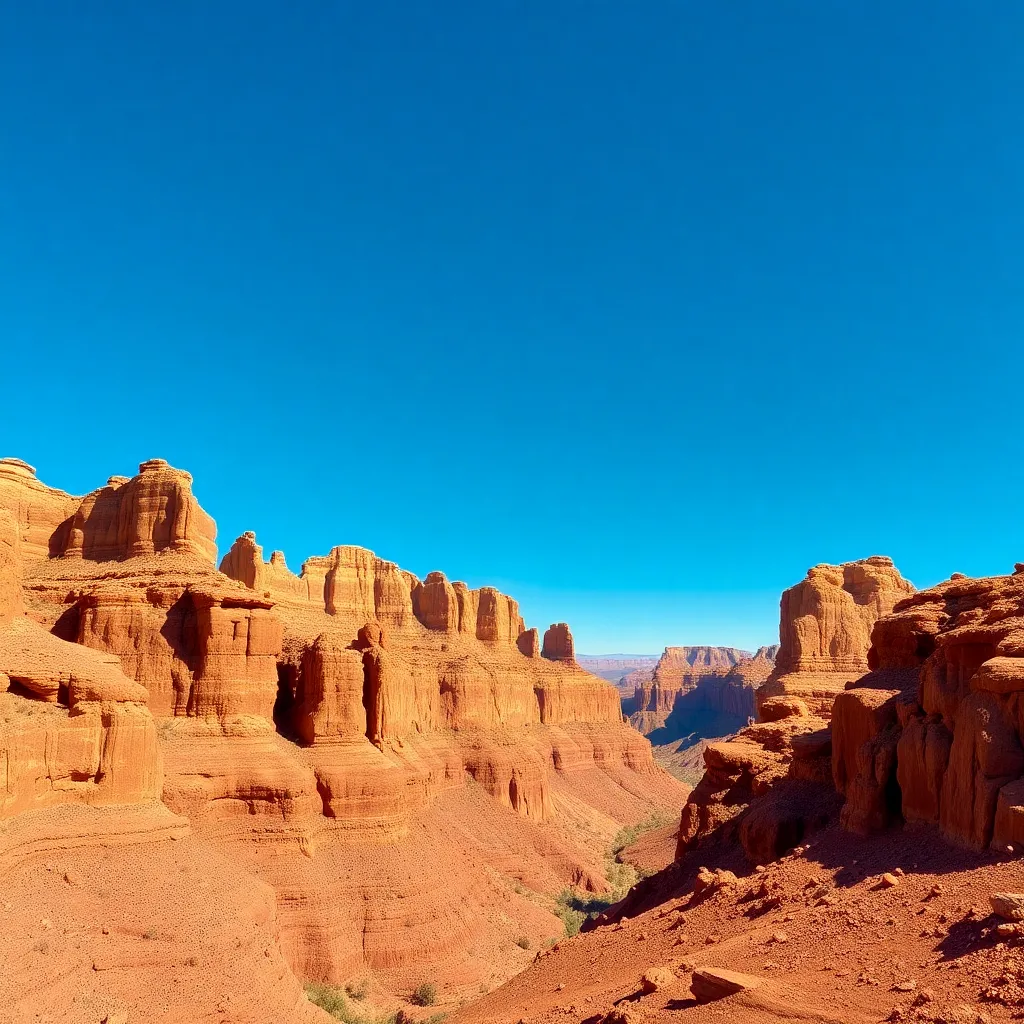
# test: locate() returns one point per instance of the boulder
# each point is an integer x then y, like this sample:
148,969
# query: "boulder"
709,984
1008,905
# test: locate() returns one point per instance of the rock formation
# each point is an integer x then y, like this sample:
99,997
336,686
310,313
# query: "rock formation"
825,629
558,643
73,727
772,782
38,510
328,730
677,673
689,684
934,731
931,730
154,511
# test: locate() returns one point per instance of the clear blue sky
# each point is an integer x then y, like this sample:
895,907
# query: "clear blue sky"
636,310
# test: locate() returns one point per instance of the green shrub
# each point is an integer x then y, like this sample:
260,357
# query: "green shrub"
332,999
328,998
523,942
358,989
425,994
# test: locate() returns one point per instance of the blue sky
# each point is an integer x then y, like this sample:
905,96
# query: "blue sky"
636,310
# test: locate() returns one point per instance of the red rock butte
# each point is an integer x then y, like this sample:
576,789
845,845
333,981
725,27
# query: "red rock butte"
380,763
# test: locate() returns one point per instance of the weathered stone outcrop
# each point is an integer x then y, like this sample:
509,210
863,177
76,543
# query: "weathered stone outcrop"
244,562
931,731
825,627
529,643
558,643
773,781
37,510
73,727
955,653
332,729
436,604
152,512
865,732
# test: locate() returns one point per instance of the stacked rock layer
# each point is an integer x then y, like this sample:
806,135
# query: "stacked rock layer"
392,755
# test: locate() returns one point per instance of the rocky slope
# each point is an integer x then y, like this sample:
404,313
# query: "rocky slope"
815,938
407,768
852,919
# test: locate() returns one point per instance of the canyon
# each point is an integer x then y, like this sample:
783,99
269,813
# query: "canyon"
693,695
848,856
227,787
380,780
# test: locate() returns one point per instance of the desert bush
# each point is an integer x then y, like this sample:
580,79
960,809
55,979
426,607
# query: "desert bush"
630,833
329,998
523,942
425,994
332,999
358,989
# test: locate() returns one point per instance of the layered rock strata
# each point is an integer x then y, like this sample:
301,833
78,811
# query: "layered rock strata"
935,731
327,729
692,684
73,727
773,781
931,731
825,625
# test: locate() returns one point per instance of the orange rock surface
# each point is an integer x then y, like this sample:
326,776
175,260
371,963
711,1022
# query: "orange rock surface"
949,749
331,732
773,782
825,627
679,673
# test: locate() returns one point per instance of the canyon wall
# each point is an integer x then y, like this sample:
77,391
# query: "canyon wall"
327,731
773,780
934,732
886,705
689,684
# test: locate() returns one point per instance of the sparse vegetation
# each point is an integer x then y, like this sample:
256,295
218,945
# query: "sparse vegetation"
523,942
573,907
425,994
334,1001
358,990
631,833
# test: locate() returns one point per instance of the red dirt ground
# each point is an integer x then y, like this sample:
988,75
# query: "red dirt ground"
836,947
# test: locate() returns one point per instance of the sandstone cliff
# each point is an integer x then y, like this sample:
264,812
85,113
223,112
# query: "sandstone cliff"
73,727
329,731
933,733
700,691
930,731
772,781
825,629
